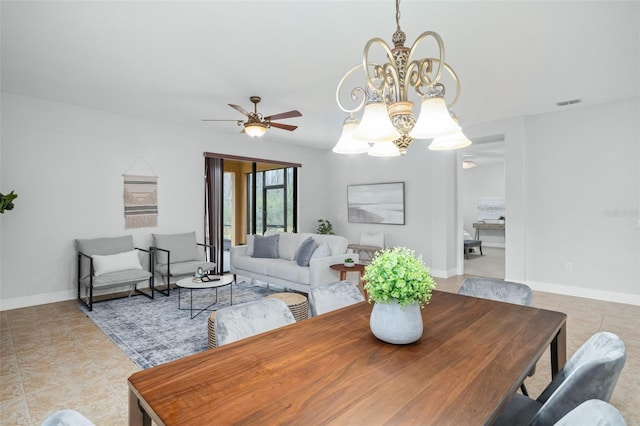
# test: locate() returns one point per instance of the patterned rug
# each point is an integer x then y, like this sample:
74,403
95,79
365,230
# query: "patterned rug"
152,332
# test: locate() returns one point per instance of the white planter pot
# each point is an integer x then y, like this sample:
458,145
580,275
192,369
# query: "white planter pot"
349,264
391,324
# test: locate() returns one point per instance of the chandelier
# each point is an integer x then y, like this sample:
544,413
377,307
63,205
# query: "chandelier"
388,125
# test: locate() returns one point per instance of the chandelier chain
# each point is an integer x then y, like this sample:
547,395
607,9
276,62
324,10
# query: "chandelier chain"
398,15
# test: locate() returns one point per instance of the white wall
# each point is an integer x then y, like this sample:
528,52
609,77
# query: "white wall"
66,164
582,177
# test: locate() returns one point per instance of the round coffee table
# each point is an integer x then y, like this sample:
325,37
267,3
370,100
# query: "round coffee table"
297,304
216,282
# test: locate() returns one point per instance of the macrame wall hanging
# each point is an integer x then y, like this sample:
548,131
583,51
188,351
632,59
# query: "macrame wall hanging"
140,196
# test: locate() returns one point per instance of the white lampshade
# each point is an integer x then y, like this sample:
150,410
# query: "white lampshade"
434,120
384,149
454,141
255,130
376,125
347,144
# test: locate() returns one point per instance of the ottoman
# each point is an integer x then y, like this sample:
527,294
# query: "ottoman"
297,304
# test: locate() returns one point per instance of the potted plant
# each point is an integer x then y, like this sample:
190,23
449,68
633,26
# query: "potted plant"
6,201
349,262
324,227
400,285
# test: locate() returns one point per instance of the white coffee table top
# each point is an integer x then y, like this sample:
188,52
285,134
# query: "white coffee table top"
222,280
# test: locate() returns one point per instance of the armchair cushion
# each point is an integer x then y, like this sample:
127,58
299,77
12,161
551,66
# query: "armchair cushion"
115,262
104,246
183,247
265,247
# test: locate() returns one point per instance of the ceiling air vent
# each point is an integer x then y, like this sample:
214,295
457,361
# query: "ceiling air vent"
570,102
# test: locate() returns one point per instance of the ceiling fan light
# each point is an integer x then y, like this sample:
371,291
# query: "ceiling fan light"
376,125
384,149
434,120
454,141
347,144
255,130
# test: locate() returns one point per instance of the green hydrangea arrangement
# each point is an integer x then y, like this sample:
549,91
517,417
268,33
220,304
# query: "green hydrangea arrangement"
396,273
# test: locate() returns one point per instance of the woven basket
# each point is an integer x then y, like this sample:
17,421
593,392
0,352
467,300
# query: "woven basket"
297,303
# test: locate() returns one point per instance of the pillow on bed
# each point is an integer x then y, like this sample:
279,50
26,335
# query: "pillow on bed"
116,262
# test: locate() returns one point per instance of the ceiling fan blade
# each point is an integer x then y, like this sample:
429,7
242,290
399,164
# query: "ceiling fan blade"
211,119
283,126
288,114
239,109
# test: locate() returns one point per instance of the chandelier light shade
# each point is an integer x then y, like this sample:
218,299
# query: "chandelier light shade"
347,144
376,125
255,130
453,141
384,149
387,111
434,120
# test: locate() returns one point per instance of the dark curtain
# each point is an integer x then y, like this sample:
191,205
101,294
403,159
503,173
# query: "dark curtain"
214,228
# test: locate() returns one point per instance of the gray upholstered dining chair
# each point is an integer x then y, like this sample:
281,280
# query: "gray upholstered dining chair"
329,297
593,413
178,256
248,319
501,291
591,373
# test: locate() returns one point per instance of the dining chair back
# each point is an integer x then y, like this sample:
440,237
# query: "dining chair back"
593,413
248,319
495,289
591,373
329,297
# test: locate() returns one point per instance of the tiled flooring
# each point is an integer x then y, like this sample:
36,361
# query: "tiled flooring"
53,357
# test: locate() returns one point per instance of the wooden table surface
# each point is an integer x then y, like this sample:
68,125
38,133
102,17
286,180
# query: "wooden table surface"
330,369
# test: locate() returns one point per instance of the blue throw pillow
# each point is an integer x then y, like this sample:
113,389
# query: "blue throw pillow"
265,247
306,249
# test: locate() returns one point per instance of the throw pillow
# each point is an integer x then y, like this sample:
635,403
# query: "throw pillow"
115,262
323,250
305,251
265,247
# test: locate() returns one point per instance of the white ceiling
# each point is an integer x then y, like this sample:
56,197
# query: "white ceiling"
181,61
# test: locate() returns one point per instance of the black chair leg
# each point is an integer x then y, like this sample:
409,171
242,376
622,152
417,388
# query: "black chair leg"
523,388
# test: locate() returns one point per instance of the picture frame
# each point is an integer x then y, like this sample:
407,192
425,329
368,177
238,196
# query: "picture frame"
381,203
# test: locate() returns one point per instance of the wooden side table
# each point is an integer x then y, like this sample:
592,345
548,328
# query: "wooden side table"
297,304
358,267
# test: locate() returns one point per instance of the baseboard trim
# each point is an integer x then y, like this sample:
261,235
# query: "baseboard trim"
603,295
37,299
444,273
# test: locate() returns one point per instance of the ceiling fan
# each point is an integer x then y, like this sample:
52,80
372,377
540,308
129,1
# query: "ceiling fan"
257,124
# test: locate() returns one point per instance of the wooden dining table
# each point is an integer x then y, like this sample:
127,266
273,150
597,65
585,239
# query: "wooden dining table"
330,369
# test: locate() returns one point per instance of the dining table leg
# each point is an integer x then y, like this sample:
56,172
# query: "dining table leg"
559,351
137,416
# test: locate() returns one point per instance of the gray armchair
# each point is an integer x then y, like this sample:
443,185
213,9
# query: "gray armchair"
248,319
591,373
178,256
105,263
501,291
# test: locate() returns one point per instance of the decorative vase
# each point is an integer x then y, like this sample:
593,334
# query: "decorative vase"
391,324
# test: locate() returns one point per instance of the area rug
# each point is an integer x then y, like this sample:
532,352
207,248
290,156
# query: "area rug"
152,332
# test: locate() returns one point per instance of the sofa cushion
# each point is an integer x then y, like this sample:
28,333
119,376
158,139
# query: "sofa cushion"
336,243
322,250
250,244
252,264
183,247
265,247
288,244
115,262
288,270
305,251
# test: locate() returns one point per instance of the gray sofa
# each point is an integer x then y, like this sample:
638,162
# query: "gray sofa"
283,268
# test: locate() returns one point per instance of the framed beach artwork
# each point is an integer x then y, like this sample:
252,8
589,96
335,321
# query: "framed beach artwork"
376,203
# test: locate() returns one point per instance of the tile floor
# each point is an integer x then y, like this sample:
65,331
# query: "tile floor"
53,357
